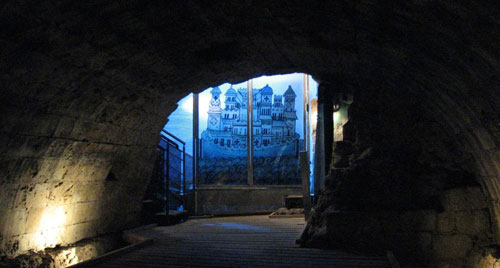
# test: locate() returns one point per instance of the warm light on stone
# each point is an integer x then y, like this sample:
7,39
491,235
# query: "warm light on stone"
66,258
50,230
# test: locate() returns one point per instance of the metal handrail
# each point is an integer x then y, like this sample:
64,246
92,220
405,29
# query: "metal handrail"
171,151
173,136
168,141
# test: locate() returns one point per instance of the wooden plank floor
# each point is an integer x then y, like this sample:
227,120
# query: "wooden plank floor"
249,241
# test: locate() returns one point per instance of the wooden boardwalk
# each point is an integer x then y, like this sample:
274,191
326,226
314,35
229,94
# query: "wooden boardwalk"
249,241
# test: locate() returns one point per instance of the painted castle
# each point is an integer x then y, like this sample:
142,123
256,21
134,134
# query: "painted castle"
274,123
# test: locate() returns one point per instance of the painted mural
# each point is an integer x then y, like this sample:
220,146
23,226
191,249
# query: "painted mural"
278,130
224,141
273,125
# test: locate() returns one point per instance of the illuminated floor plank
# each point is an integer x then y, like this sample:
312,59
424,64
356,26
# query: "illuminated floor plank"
251,241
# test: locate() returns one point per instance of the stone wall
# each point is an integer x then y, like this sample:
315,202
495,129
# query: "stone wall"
65,178
87,86
402,180
454,237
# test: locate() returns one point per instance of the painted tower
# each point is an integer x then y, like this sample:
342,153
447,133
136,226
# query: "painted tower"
214,110
277,110
266,104
230,111
266,100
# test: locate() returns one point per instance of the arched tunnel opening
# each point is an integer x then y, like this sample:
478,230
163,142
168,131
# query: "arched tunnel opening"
86,89
223,153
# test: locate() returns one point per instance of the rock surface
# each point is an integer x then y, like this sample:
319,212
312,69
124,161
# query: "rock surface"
87,86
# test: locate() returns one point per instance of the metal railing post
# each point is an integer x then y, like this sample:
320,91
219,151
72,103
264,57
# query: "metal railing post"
167,183
196,146
183,186
250,131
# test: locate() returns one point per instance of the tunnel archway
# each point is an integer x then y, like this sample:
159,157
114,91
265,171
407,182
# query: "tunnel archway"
244,151
84,97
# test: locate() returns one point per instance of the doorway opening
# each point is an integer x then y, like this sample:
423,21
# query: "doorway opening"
237,148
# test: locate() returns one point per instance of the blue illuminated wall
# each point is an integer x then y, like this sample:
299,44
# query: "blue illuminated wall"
278,130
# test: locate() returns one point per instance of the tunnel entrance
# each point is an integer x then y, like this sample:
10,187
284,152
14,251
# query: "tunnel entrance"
87,87
237,148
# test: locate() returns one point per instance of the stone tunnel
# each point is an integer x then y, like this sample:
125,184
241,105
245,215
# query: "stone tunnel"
87,86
